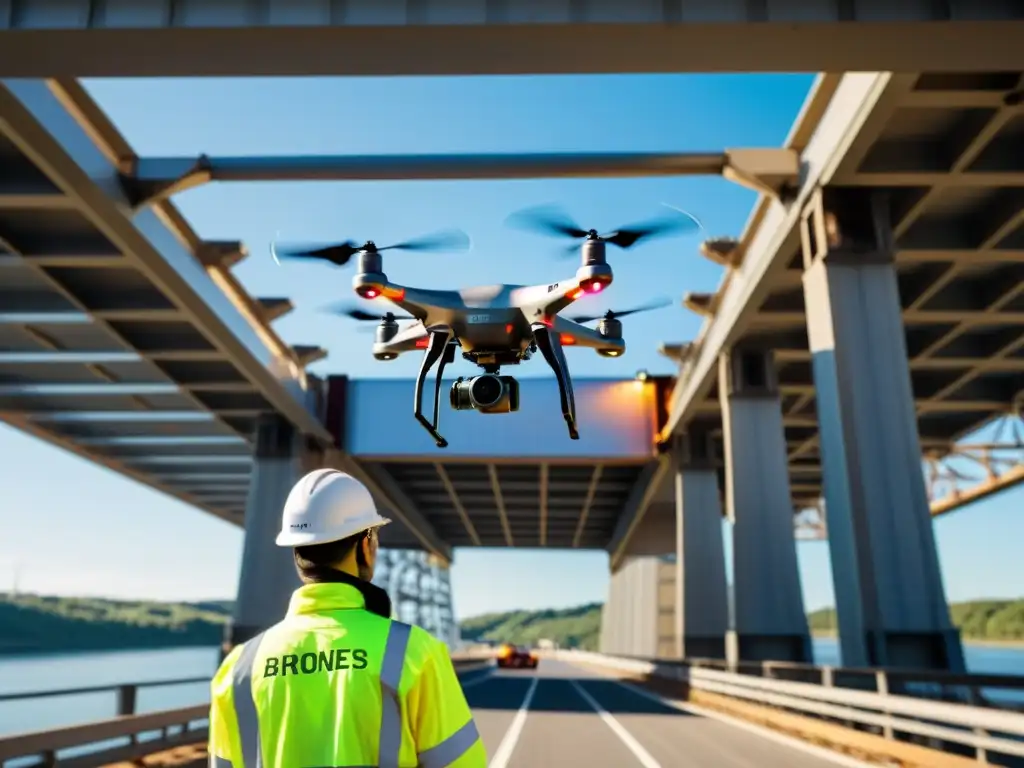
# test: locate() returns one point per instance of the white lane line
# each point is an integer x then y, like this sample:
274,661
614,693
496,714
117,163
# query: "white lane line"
508,744
477,680
828,755
625,736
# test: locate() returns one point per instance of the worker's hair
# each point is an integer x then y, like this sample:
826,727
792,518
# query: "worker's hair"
318,556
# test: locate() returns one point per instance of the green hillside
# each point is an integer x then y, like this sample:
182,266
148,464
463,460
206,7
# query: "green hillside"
570,627
983,620
32,623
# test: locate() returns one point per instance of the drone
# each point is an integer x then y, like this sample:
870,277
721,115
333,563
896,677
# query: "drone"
493,326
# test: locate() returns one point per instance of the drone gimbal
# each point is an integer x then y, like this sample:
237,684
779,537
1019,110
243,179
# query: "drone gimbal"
441,351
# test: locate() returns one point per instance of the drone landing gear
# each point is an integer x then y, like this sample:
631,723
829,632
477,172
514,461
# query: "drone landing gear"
441,352
549,345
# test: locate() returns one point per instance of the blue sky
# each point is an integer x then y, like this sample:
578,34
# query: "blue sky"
94,532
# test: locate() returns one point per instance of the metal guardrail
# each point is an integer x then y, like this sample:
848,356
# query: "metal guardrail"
970,688
982,729
129,735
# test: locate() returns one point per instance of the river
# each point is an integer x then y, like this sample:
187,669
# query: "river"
81,670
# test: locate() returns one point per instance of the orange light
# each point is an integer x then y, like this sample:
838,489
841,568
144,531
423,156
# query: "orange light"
566,339
509,328
422,343
575,294
394,294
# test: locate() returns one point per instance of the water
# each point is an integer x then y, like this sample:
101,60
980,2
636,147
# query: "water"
980,659
80,670
83,670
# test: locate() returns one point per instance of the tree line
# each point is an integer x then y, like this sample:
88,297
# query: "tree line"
34,623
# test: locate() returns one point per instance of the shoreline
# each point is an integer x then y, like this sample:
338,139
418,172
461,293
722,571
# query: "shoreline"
12,654
1012,644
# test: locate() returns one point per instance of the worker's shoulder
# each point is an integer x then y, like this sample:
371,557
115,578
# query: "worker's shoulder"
421,643
223,679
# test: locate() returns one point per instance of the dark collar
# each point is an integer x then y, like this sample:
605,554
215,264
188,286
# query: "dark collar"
377,600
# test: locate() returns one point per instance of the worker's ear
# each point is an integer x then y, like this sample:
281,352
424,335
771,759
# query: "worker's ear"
368,547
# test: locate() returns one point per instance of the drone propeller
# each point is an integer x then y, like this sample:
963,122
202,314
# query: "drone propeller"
613,315
340,254
346,310
550,220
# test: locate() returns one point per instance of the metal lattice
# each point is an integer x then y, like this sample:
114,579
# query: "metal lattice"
971,471
420,589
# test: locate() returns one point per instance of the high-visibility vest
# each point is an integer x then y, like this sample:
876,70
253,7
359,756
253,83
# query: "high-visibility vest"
335,685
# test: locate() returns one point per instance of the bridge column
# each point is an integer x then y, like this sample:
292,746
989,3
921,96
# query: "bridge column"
701,599
770,623
890,599
268,576
629,619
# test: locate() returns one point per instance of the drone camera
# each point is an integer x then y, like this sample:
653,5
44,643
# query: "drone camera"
487,393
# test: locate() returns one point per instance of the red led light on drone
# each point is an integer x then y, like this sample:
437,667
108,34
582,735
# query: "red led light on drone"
422,343
592,286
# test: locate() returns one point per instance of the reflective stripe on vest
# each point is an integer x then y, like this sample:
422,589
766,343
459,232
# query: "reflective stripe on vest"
390,738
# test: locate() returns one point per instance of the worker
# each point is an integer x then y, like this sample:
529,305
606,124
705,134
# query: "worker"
337,682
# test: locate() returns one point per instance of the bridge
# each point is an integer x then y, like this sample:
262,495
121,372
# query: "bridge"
125,338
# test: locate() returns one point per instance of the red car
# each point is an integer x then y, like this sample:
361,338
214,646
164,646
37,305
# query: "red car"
516,656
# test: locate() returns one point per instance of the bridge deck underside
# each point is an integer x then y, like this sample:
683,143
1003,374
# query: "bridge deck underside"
98,358
948,150
518,504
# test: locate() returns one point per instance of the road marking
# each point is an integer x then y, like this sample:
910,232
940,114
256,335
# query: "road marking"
767,733
625,736
488,675
508,744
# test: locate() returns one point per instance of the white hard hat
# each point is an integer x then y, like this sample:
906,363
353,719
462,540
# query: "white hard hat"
327,505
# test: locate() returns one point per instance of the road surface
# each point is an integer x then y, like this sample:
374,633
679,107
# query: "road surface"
566,715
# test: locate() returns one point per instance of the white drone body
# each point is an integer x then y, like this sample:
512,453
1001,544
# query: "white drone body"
493,326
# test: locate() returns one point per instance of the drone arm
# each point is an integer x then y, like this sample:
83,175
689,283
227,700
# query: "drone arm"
550,346
408,339
570,332
436,348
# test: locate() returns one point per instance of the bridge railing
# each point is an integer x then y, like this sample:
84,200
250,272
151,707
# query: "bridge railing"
985,690
127,736
894,710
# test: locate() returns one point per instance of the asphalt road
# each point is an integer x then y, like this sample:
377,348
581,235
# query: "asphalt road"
564,715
